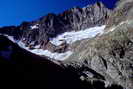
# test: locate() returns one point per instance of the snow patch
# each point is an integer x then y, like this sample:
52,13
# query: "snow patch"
41,52
114,27
57,56
11,38
22,45
71,37
35,26
32,43
37,46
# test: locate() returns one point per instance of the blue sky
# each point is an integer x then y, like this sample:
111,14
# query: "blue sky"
13,12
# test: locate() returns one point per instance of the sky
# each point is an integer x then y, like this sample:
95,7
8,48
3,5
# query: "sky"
14,12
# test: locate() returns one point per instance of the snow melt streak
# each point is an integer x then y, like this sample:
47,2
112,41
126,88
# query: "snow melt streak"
57,56
71,37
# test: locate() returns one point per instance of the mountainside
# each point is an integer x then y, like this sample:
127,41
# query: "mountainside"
22,69
91,45
109,55
41,31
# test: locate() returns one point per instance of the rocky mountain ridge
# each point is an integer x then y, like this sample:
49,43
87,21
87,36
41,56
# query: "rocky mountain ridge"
39,32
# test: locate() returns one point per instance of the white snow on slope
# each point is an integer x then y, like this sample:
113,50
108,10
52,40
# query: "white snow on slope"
34,26
120,24
11,38
22,45
37,47
57,56
71,37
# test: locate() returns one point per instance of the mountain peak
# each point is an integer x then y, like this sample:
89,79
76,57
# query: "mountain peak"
47,27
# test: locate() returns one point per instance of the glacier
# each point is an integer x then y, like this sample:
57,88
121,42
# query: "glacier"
71,37
41,52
